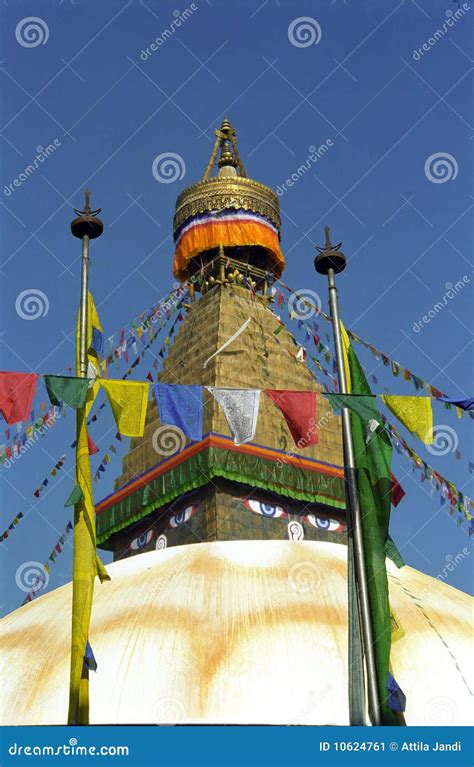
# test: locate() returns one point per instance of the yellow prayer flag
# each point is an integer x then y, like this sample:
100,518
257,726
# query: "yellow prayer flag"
86,563
415,413
94,332
129,401
345,352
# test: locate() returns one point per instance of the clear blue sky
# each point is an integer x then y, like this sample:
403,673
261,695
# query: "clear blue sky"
385,112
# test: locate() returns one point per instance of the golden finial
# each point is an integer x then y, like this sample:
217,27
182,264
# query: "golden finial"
226,141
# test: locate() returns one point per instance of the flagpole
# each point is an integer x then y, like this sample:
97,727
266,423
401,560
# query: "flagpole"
85,227
330,261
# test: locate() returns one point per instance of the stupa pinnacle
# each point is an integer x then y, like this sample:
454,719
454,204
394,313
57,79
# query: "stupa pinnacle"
228,219
227,231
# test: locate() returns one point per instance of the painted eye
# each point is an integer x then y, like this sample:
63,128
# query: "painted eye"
266,509
324,523
180,517
143,540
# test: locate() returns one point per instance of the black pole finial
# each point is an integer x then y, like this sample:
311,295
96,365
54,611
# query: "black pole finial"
87,224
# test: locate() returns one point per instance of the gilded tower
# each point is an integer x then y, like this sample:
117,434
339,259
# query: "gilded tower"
175,491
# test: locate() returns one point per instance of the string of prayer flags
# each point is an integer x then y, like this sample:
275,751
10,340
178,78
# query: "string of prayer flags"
395,367
240,407
11,526
57,466
68,389
447,489
17,391
299,412
464,404
181,406
129,400
106,458
41,578
415,413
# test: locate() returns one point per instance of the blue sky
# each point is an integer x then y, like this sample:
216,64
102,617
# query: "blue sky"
384,111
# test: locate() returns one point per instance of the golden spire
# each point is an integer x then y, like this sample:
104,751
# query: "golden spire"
226,141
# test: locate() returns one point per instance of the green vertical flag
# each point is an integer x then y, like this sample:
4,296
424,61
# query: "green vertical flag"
372,462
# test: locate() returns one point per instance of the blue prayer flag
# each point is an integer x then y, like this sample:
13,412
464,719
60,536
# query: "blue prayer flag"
181,406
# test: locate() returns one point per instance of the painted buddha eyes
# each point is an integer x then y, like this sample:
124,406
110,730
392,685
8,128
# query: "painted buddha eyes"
324,523
266,509
143,540
180,517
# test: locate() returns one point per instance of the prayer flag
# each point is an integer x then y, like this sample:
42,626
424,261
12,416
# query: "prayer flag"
17,391
181,406
240,408
129,401
75,496
299,411
398,492
93,449
363,405
68,389
86,563
415,413
374,490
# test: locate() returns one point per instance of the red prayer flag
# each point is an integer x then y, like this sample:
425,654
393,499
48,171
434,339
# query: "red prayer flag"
17,391
93,449
299,411
397,491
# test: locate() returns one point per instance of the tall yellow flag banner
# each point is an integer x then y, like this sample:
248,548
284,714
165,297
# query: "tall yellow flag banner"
86,564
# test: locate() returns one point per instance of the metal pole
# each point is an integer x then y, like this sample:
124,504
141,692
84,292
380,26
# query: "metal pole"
353,510
82,372
85,227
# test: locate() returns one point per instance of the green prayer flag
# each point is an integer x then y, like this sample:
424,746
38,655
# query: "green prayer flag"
374,484
363,405
76,496
392,552
68,389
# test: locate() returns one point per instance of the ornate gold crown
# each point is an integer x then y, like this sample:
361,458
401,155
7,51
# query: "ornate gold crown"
229,189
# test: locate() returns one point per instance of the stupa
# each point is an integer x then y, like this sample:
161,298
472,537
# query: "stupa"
228,594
